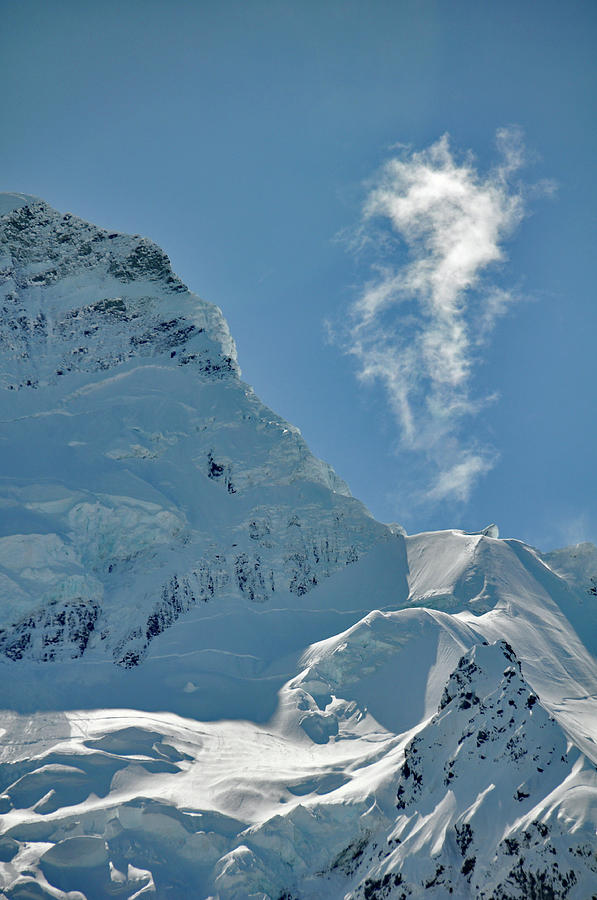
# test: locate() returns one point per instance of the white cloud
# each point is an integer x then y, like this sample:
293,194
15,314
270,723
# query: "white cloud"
574,530
417,326
458,481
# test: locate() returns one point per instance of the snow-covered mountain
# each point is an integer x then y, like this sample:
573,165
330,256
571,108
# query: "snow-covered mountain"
220,677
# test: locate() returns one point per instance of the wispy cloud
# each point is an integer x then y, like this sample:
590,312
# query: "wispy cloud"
572,530
417,326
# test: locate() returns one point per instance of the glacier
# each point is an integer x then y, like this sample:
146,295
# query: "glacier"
220,676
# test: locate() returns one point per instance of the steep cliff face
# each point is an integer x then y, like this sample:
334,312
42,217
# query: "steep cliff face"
76,298
147,477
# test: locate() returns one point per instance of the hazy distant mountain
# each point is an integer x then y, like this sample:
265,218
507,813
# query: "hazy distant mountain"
220,676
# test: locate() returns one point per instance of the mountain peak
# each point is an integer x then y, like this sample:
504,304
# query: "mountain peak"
125,404
78,298
11,201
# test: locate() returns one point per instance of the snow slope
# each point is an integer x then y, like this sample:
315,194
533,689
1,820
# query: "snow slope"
219,676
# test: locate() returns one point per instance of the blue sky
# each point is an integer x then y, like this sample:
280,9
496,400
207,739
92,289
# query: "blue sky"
249,139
